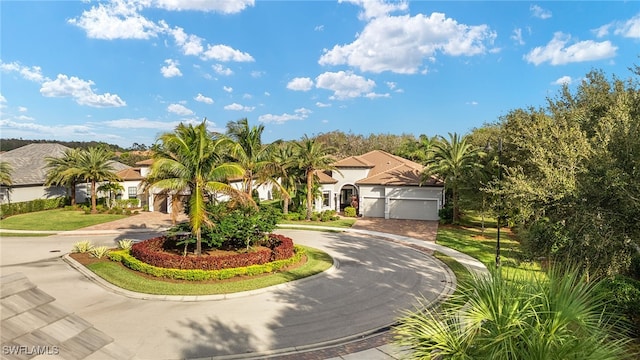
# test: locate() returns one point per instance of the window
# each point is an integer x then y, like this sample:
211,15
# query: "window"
133,192
326,198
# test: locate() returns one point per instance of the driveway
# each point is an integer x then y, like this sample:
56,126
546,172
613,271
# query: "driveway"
417,229
372,281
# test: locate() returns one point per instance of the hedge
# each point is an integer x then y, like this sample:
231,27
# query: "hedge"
132,263
151,251
31,206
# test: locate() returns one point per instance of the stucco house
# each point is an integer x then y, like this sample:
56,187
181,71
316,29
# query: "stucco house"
385,186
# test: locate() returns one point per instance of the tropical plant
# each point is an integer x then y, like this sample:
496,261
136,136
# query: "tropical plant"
6,172
111,188
60,171
285,175
94,165
99,252
452,160
508,316
312,156
189,159
82,247
125,244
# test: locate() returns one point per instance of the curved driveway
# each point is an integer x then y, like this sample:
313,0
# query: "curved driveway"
372,282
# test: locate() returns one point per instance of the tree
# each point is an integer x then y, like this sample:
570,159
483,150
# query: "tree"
190,159
95,165
249,152
511,316
61,171
6,172
285,175
452,160
111,188
312,156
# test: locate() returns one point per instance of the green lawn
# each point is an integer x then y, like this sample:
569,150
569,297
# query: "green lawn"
114,273
55,220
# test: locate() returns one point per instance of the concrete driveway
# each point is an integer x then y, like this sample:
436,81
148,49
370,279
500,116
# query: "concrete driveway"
372,282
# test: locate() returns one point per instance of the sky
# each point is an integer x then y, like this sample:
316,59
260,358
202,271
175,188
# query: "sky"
124,72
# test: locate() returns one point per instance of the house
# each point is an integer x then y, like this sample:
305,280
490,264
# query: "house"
29,172
384,185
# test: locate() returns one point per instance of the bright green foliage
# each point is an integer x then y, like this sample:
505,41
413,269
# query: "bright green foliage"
5,173
93,165
190,159
350,211
82,247
99,252
241,227
312,156
511,317
60,171
125,244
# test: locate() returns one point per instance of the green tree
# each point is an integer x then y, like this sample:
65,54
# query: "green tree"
452,160
111,189
190,159
285,175
312,156
506,316
94,165
60,171
6,172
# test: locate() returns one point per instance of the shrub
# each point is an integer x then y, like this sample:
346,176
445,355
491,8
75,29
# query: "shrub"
125,244
623,295
31,206
293,216
82,247
350,211
99,252
446,214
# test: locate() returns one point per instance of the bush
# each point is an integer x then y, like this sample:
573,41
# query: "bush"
446,214
153,252
241,227
125,244
350,211
623,295
82,247
99,252
32,206
293,216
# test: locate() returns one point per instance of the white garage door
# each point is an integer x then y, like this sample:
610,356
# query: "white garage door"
413,209
372,207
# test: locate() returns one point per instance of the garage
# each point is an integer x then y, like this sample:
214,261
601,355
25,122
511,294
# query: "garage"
372,207
413,209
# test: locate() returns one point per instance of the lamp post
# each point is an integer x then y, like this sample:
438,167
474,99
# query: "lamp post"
488,147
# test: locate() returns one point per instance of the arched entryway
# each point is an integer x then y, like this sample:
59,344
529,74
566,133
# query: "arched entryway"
347,192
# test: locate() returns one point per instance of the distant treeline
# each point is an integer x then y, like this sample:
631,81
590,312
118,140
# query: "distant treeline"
10,144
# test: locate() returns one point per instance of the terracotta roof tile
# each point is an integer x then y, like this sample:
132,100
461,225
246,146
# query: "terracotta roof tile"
130,174
325,178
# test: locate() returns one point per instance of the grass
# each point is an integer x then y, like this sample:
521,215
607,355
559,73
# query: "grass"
55,220
341,223
14,234
116,274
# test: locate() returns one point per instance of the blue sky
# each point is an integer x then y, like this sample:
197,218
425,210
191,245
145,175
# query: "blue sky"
125,71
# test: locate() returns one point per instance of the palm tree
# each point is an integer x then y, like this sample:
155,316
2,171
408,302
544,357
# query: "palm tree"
95,165
6,172
514,316
312,156
452,160
59,171
190,159
249,152
111,188
284,175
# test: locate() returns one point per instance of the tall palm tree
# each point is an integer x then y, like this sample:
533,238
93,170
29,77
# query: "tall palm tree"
312,156
59,174
452,160
6,172
284,175
249,152
190,159
514,316
95,165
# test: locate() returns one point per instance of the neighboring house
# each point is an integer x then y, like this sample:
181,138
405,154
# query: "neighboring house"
385,186
29,166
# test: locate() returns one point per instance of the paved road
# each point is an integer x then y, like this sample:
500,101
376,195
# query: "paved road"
372,281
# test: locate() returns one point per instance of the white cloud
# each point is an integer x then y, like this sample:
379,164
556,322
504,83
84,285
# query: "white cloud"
345,84
141,123
602,31
322,105
257,74
2,99
299,114
179,109
188,43
517,36
472,103
238,107
24,118
629,28
118,19
557,53
539,12
319,28
27,129
33,73
80,90
226,53
401,43
247,96
300,84
564,80
228,89
221,70
376,8
225,6
171,70
22,109
203,99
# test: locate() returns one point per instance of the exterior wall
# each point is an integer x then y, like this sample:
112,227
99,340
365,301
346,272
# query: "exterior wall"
327,190
381,201
349,176
28,193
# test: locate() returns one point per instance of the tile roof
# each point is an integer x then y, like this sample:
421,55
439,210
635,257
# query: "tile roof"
325,178
29,162
388,169
130,174
147,162
31,319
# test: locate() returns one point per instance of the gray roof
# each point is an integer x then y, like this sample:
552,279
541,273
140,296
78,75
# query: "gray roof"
29,162
31,319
